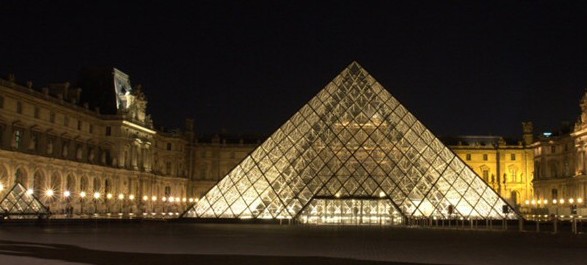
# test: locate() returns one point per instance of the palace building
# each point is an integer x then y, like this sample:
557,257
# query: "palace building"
91,149
352,155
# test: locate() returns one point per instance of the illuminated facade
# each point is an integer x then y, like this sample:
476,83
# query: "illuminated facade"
505,165
561,166
96,153
352,155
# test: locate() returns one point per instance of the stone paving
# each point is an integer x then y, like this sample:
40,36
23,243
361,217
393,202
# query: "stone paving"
181,243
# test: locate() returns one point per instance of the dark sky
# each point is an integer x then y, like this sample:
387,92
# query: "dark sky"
462,67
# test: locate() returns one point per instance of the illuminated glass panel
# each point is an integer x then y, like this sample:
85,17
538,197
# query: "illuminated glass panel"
353,154
18,204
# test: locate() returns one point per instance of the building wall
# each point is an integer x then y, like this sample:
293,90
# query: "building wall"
508,169
49,141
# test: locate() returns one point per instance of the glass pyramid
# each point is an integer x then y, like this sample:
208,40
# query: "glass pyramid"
353,154
18,204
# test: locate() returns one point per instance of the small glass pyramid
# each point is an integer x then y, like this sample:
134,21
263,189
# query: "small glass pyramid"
353,154
18,204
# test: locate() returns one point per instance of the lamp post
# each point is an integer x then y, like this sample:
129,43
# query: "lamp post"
131,198
108,198
153,200
96,198
121,202
82,195
68,211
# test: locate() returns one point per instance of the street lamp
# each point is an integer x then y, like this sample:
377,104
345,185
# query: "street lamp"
96,197
68,209
121,199
82,195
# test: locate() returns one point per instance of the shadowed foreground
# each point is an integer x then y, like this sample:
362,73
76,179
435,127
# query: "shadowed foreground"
184,243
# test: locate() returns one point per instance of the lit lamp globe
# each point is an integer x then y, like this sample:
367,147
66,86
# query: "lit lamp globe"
121,196
66,194
109,196
131,197
82,194
49,193
96,195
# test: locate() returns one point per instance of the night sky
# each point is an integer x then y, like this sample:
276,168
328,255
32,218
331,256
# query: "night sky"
245,67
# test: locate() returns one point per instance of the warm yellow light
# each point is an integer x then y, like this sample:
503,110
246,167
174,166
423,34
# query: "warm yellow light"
1,187
337,195
554,201
121,196
579,200
154,198
109,196
131,197
191,200
145,198
96,195
184,199
49,193
545,201
533,202
171,199
164,199
382,194
527,202
29,192
82,194
561,201
66,194
571,200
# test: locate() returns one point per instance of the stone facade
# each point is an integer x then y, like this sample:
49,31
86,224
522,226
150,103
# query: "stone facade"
69,155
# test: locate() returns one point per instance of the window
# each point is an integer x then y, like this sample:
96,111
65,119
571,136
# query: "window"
486,175
52,117
108,131
37,112
468,157
553,149
167,191
19,107
169,146
554,193
484,157
513,157
17,138
79,125
168,167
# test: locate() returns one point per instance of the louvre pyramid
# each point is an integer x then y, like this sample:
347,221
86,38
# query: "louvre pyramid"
18,204
352,142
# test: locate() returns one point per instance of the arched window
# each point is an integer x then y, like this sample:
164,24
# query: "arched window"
84,184
20,177
97,184
38,183
56,183
70,185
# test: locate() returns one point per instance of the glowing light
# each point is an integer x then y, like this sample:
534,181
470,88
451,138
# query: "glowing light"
382,194
561,201
533,202
1,187
29,192
163,199
131,197
109,196
171,199
184,199
545,202
571,200
191,200
96,195
121,196
527,202
49,193
66,194
554,201
82,194
145,198
579,200
154,198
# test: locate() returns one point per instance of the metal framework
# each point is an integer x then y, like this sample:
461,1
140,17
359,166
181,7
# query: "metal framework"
20,204
352,154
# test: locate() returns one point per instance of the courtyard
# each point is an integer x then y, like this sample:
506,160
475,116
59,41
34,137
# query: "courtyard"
187,243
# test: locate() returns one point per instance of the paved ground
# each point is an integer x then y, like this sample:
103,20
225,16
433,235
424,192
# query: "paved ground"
173,243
